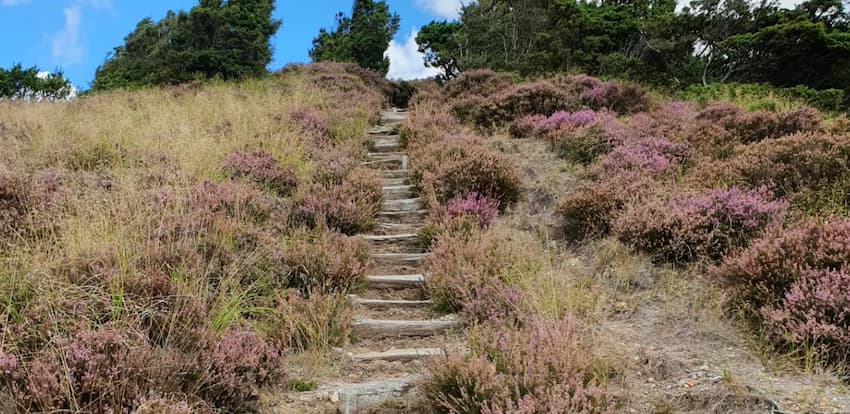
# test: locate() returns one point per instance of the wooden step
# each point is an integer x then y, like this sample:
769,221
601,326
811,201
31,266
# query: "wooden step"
398,192
393,173
393,116
397,355
395,243
406,216
402,188
385,143
392,182
384,328
390,238
395,281
388,303
386,160
392,228
405,204
399,259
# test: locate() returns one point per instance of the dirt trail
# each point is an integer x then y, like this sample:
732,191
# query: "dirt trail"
394,328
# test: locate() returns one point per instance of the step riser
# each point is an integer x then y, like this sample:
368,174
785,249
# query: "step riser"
400,355
384,164
398,195
394,228
392,182
391,259
388,303
395,282
409,204
416,217
406,243
385,145
393,173
390,329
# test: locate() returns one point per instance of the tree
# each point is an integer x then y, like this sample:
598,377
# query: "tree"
361,39
31,83
438,41
229,40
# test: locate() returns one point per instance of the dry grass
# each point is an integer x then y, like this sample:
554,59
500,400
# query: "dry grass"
123,215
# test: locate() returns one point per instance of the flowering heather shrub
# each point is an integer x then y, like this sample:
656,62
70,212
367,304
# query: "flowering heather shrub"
349,207
529,98
470,273
579,83
538,125
756,126
689,226
231,199
325,262
839,125
589,211
239,363
650,157
762,275
529,125
710,139
795,284
620,97
332,165
263,168
815,311
585,144
460,165
541,368
483,82
719,113
13,203
786,165
429,121
480,208
96,368
801,119
311,124
513,103
672,121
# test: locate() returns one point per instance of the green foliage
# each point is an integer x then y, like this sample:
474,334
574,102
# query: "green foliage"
710,41
20,83
229,40
361,39
439,42
754,96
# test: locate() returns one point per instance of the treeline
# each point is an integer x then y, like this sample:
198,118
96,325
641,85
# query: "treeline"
215,39
650,41
18,82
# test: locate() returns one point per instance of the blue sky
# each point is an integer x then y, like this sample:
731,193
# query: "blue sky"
76,35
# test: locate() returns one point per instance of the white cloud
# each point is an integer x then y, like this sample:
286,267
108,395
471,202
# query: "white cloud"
447,9
405,60
789,4
13,2
66,46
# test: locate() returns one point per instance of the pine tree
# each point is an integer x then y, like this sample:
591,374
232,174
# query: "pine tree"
361,39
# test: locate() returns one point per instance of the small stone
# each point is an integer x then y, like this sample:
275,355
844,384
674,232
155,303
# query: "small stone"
690,383
334,397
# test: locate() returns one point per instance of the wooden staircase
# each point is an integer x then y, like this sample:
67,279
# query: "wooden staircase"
395,328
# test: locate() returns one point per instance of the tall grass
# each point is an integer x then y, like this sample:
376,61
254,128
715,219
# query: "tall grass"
154,221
